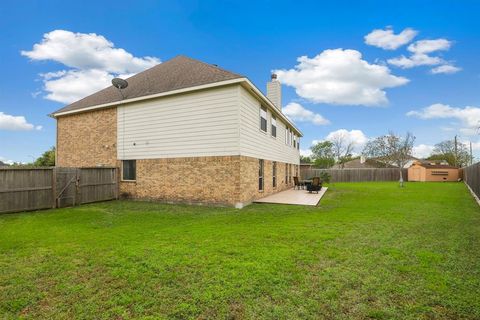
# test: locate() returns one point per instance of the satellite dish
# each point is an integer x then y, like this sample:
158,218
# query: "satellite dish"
119,83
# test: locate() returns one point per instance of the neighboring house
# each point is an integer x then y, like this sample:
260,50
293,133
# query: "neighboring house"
3,164
307,165
362,163
185,131
410,162
432,171
378,163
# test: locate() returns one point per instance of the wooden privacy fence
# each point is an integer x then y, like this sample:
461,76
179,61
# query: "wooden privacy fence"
23,189
356,175
471,176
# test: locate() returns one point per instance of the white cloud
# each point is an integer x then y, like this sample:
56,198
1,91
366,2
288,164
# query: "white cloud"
419,56
468,116
297,112
429,46
355,136
415,60
72,85
422,150
305,152
446,68
87,51
340,76
15,123
94,61
358,138
5,160
388,40
475,145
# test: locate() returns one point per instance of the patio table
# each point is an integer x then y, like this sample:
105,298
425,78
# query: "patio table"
306,182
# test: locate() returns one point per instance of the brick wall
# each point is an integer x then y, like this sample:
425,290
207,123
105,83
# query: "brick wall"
208,180
249,185
230,180
87,139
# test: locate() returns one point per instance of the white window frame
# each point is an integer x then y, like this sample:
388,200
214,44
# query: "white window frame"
123,179
264,110
273,122
261,175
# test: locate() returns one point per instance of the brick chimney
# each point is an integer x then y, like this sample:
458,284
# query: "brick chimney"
274,91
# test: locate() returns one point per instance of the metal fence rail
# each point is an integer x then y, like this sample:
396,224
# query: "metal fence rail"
356,175
471,176
23,189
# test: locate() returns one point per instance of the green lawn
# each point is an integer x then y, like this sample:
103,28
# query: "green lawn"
370,250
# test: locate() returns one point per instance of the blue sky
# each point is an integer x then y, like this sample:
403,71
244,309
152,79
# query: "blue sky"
345,81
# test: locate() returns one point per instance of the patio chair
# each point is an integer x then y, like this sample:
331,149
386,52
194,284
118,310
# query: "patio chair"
315,186
297,183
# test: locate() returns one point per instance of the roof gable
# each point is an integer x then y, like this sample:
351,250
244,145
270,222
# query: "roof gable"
178,73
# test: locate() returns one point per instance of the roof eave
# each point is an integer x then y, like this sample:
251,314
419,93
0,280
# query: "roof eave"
272,106
148,97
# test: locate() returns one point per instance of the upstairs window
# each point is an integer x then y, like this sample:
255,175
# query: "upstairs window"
298,144
260,175
286,136
294,141
129,170
263,119
274,126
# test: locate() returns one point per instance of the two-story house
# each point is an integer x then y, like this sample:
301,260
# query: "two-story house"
185,131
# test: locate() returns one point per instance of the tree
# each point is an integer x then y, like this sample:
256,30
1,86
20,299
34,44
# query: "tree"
391,149
47,159
454,152
324,163
342,148
304,159
323,155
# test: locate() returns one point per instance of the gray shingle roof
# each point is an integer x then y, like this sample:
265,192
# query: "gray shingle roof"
178,73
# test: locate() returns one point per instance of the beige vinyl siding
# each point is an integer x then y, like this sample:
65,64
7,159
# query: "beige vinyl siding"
256,143
203,123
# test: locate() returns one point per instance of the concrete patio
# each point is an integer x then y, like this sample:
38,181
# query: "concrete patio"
291,196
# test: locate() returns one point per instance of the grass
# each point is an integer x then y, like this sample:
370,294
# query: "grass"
370,250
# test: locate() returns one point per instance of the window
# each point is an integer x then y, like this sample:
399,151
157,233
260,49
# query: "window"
274,174
263,119
260,175
286,136
290,173
298,144
274,126
294,141
286,173
129,170
439,173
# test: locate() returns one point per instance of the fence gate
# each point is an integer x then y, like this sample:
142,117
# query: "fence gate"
76,186
24,189
66,187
